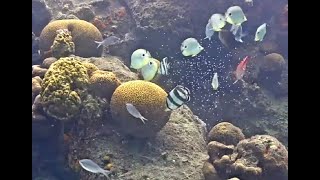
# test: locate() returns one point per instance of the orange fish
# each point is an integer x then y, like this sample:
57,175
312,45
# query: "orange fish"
241,69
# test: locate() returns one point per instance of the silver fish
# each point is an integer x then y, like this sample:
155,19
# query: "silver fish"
111,40
91,166
134,112
215,82
164,66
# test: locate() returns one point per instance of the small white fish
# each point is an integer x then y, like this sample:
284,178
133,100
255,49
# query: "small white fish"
164,67
111,40
129,37
234,15
218,21
261,32
238,33
190,47
209,31
134,112
215,82
91,166
139,58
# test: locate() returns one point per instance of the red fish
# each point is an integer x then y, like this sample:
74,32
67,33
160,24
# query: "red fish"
241,69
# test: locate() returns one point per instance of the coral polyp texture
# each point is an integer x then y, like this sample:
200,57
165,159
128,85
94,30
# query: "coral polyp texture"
63,86
226,133
260,157
83,35
62,44
149,99
103,83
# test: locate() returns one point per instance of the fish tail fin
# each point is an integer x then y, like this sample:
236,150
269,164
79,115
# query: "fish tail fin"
106,173
238,39
99,43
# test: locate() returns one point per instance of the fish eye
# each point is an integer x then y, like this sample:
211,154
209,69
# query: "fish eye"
258,32
150,63
185,46
143,55
230,14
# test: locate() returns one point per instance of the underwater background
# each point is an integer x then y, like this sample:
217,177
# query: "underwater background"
80,91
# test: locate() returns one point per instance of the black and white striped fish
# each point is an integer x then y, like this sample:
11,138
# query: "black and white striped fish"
164,67
177,97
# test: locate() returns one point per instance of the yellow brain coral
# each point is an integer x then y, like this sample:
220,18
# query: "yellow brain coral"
90,67
150,101
83,35
103,83
62,44
226,133
62,88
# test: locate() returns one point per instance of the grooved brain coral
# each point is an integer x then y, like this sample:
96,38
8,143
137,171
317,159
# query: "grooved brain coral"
103,83
83,35
149,99
63,86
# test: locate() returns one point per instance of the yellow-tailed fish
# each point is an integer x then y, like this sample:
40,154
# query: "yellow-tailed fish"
139,58
235,16
150,70
261,32
190,47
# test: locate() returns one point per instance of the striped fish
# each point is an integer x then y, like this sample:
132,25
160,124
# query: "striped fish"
164,67
177,97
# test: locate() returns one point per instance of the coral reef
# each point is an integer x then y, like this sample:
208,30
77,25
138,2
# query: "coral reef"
63,88
84,13
91,68
62,45
38,71
176,152
226,133
210,172
36,86
216,150
103,83
273,63
83,35
113,64
259,157
48,61
40,16
268,47
149,99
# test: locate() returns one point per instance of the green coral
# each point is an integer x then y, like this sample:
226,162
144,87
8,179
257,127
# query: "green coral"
62,45
63,88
